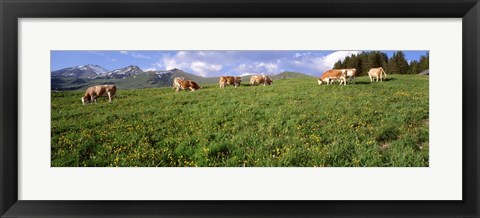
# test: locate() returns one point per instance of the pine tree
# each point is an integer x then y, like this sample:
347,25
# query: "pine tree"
424,63
338,65
397,64
413,68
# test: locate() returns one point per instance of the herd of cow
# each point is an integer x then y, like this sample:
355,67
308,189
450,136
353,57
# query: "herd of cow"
180,83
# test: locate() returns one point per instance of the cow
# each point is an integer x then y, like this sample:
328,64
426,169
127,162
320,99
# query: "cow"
230,80
176,83
331,75
180,83
260,79
93,92
376,73
351,74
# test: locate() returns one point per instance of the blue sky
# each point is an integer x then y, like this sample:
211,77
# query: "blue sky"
213,63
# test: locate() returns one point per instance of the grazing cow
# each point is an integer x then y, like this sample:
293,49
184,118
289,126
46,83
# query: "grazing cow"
331,75
96,91
230,80
180,83
351,74
176,83
260,79
376,73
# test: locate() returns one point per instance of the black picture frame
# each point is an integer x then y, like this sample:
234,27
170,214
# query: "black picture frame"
12,10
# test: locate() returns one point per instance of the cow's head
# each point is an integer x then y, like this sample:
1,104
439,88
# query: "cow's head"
84,100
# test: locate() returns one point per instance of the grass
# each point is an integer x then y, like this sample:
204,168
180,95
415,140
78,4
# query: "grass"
293,122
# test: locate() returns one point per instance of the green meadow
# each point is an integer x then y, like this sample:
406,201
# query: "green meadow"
292,123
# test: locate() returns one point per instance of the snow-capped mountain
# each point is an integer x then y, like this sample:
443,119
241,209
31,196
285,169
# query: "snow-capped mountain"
125,72
82,71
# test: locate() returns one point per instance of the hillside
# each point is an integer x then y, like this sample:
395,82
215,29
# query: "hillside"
292,123
290,75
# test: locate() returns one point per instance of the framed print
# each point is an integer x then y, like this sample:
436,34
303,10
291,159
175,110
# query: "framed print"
227,108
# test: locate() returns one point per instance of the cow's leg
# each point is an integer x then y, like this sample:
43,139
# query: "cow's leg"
109,96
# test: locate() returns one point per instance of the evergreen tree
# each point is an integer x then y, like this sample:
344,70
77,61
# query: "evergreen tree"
414,67
397,64
338,65
424,63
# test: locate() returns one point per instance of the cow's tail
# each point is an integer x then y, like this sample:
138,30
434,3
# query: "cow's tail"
383,71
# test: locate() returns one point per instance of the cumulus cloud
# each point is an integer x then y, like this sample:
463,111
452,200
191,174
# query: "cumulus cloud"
330,60
202,63
257,68
204,69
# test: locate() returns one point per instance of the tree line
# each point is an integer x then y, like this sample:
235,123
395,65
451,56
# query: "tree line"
397,64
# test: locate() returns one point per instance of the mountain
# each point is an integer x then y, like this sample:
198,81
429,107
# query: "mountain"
83,71
125,72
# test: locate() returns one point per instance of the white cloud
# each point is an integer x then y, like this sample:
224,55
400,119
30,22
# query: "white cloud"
202,63
257,68
204,69
124,52
329,61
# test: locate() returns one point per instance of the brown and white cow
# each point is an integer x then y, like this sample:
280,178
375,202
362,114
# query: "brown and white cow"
331,75
180,83
176,83
230,80
376,73
260,79
99,90
351,74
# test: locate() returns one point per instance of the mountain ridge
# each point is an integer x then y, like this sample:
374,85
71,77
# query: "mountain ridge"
133,77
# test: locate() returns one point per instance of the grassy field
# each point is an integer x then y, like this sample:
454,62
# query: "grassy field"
294,122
